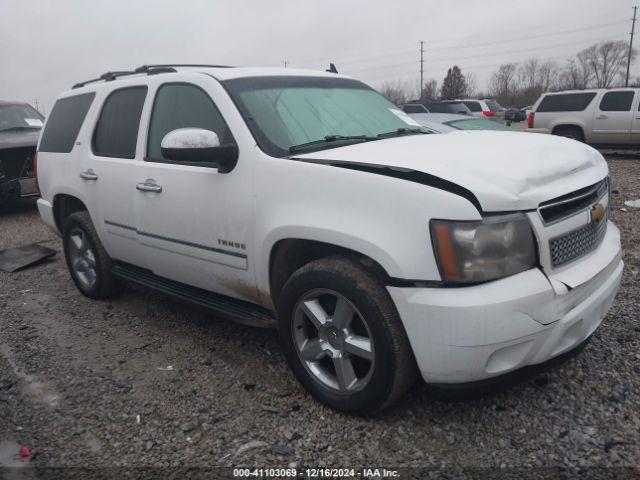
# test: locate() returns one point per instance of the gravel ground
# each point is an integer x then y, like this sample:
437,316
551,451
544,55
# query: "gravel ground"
86,383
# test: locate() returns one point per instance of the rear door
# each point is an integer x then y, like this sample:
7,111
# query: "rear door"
107,172
613,117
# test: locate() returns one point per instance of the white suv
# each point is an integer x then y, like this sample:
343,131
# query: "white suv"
307,201
487,108
599,117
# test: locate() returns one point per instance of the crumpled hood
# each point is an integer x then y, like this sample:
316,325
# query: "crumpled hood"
506,171
19,138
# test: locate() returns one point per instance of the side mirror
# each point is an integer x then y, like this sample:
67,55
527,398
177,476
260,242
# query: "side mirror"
199,147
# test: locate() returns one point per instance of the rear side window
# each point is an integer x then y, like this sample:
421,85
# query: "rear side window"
64,123
414,108
567,102
116,133
494,106
473,106
617,101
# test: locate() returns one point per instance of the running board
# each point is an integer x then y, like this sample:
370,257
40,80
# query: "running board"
238,311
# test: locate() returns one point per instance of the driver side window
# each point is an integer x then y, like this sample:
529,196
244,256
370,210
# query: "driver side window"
181,105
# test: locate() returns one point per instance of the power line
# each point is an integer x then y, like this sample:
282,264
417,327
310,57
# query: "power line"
366,58
530,37
455,59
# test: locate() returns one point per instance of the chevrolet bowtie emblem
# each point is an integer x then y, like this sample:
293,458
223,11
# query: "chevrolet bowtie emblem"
597,213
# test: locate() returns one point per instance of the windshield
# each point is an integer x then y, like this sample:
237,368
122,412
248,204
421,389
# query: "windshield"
477,124
18,117
289,114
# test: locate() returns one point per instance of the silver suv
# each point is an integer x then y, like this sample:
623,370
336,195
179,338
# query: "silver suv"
599,117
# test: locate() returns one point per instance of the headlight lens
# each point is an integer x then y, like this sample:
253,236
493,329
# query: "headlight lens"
472,252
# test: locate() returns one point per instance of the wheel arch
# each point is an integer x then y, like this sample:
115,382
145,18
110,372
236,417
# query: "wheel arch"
289,254
575,126
63,206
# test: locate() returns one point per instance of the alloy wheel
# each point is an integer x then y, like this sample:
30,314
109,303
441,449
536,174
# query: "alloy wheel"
333,341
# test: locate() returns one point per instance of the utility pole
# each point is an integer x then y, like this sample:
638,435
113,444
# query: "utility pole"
633,28
422,67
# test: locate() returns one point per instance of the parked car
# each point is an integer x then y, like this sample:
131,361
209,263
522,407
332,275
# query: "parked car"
436,106
512,114
306,201
486,108
599,117
20,126
447,122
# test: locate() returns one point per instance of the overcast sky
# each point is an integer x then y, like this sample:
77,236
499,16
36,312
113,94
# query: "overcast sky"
46,46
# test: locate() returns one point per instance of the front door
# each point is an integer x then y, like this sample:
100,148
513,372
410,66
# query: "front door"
612,118
194,223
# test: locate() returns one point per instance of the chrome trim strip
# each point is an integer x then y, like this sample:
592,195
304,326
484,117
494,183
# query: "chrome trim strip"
174,240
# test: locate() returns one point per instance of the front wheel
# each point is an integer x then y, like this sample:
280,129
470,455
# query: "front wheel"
343,338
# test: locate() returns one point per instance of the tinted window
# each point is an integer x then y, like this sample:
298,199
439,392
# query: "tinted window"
473,106
414,109
566,102
494,106
617,101
116,133
64,123
180,106
457,107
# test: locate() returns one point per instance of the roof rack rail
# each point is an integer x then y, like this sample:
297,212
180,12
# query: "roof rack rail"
148,69
145,68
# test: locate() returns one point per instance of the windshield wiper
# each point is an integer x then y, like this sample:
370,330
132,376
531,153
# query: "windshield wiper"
23,127
402,131
330,139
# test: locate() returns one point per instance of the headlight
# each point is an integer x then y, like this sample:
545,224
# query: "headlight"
471,252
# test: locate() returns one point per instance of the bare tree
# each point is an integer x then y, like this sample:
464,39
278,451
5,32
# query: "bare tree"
576,74
534,78
503,85
472,85
429,90
607,60
397,91
454,84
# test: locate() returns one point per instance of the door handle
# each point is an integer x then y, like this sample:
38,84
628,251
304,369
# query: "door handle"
149,186
88,175
601,117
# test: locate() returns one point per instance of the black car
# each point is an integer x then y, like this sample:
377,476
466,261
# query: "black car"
436,106
20,126
512,114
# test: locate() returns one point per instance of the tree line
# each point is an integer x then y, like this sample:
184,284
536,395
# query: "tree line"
602,65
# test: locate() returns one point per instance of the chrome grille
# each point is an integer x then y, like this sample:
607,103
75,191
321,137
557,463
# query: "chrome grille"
577,243
563,207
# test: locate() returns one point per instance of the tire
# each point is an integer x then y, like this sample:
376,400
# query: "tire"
84,252
574,133
381,379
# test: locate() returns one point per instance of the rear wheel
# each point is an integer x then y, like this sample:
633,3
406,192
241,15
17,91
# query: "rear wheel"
87,260
343,338
570,132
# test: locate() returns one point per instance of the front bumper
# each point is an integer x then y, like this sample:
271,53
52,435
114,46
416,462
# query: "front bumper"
468,334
